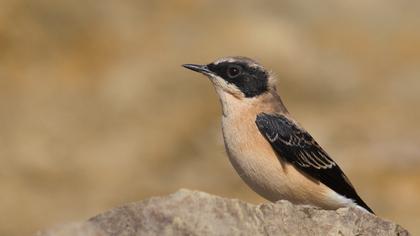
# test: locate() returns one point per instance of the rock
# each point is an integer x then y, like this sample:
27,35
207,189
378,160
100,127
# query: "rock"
196,213
74,229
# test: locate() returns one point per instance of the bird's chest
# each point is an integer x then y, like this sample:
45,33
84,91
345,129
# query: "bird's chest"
251,155
243,141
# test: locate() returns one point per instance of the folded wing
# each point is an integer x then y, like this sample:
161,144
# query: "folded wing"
297,146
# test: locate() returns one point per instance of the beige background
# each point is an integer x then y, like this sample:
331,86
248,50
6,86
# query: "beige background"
95,110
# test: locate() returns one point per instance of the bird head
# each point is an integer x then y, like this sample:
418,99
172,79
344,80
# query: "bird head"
238,76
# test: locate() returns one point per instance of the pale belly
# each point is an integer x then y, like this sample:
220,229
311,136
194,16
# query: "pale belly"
264,172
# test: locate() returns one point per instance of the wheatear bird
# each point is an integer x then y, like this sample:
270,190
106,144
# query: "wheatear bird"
270,151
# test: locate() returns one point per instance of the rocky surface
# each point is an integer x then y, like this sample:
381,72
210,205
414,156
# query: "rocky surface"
189,212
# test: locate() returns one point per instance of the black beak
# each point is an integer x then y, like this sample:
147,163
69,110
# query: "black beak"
198,68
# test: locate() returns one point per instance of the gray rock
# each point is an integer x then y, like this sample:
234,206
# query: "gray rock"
196,213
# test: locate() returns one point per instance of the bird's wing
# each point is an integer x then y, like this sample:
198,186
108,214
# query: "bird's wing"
297,146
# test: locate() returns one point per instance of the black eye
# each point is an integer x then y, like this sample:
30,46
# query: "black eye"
233,71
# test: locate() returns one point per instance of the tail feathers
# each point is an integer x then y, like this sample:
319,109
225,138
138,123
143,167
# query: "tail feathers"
362,204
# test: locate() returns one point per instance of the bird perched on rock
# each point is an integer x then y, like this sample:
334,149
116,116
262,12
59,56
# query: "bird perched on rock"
271,152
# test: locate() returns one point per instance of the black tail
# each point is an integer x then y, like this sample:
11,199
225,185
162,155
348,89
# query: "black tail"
361,203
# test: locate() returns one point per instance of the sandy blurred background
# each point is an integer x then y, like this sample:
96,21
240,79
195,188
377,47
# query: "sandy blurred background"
95,110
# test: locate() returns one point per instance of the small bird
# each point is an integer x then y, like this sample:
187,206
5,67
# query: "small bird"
271,152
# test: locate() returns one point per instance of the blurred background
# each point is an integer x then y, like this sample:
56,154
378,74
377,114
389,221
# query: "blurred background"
96,111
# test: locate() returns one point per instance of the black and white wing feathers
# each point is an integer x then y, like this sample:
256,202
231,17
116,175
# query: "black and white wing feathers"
297,147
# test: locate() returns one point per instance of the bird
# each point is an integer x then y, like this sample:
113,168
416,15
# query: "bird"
272,153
